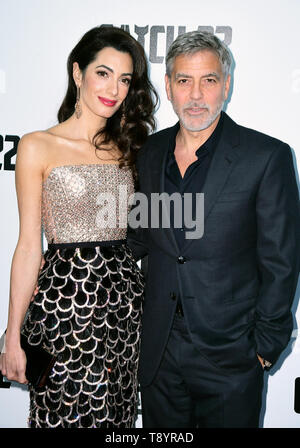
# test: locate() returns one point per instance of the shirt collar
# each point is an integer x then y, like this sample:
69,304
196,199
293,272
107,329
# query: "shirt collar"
207,146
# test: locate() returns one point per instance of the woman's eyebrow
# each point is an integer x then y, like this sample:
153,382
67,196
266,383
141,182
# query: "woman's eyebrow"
111,70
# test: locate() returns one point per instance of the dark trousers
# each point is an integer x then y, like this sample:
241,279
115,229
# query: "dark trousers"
189,392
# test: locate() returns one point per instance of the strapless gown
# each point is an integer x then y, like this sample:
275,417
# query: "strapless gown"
88,308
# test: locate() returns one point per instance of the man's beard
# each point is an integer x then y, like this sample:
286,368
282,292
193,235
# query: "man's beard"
187,122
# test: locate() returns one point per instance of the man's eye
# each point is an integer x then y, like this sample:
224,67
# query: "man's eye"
182,81
210,80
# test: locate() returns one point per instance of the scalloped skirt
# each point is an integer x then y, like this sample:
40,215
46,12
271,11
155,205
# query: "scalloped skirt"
88,313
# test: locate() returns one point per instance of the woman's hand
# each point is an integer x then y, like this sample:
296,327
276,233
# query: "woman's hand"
13,365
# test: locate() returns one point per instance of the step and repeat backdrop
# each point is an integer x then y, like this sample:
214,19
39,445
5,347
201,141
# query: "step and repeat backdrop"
36,37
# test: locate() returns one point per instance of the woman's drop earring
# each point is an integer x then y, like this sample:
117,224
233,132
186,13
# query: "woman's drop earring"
78,110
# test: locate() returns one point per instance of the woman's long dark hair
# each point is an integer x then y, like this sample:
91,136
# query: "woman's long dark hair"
139,105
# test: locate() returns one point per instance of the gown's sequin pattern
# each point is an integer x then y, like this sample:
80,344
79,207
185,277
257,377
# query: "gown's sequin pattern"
78,200
88,313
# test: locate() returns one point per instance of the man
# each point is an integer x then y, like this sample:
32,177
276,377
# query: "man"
217,308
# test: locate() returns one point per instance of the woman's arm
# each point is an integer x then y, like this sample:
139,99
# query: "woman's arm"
27,256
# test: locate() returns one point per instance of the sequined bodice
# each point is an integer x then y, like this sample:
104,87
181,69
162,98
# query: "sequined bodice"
86,203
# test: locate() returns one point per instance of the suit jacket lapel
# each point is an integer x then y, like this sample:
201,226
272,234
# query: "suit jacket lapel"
222,164
223,161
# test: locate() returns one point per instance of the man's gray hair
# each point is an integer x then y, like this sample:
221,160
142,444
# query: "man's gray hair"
194,41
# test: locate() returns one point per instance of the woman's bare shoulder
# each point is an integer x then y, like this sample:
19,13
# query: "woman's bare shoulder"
37,138
35,149
38,143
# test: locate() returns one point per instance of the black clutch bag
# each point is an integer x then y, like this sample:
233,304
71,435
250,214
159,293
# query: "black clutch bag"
39,363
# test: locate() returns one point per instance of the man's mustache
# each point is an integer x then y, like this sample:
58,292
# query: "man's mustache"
194,105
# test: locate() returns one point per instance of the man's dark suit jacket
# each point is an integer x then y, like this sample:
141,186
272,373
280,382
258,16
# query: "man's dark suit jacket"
238,281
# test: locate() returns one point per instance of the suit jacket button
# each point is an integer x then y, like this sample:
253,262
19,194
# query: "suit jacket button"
181,260
173,295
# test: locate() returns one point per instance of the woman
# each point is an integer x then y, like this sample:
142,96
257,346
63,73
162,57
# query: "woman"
88,308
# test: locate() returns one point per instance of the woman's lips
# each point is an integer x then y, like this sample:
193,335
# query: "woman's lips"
107,102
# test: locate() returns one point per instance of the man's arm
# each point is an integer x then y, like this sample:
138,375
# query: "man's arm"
278,252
